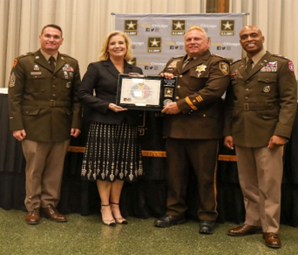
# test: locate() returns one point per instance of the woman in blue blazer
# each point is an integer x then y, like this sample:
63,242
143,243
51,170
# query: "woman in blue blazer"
113,153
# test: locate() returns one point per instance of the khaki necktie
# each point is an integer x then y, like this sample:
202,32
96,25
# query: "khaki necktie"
52,63
249,66
187,61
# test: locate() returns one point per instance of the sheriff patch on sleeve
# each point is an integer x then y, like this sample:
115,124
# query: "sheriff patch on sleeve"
224,67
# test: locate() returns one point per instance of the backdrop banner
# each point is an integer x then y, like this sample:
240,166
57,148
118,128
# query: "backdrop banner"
158,37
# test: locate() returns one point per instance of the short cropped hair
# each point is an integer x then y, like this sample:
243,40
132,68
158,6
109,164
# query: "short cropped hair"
199,29
53,26
104,55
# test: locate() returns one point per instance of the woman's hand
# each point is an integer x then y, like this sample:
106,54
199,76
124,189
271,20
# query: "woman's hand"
167,75
116,108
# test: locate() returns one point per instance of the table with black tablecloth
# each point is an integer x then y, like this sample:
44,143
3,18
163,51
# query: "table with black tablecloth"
146,197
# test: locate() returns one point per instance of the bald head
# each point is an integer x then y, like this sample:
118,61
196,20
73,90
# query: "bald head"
251,40
250,27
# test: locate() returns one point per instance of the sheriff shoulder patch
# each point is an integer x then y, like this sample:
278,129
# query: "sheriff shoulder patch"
224,67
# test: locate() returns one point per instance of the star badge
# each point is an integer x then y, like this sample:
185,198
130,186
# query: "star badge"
201,68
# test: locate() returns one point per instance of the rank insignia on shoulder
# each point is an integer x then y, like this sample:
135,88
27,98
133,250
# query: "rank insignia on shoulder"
280,56
224,67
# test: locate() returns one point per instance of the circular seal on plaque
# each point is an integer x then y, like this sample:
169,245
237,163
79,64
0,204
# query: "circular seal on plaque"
140,91
167,101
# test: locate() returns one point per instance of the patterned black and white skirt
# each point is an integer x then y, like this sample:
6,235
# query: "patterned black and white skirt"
112,152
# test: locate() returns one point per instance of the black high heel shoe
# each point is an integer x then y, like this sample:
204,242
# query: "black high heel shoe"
119,220
110,223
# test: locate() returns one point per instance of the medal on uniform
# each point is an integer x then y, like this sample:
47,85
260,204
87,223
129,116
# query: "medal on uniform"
68,84
65,75
267,89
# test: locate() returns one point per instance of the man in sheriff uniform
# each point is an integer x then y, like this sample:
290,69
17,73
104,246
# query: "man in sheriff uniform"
44,114
193,127
260,111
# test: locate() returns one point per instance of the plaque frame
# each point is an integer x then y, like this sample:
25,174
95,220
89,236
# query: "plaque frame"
145,92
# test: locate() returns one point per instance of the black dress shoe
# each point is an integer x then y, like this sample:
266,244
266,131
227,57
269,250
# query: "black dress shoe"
168,221
206,227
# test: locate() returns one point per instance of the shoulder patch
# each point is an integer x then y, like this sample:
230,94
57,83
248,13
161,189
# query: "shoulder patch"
173,63
15,62
224,67
291,66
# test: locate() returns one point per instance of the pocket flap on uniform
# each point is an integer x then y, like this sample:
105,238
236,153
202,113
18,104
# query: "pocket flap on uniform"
31,111
267,77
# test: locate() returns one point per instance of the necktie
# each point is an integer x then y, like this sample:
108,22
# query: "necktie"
187,61
249,66
52,62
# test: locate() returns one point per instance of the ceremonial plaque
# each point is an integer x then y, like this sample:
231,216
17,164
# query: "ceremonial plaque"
143,92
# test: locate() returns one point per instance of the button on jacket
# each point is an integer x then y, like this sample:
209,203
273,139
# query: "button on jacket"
262,103
201,83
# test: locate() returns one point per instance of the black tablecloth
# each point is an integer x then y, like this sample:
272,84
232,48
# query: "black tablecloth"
146,197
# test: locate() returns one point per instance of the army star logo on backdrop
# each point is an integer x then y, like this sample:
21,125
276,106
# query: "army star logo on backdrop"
154,44
164,34
227,27
131,26
178,27
133,61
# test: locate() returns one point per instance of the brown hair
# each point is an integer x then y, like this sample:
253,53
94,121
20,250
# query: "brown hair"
53,26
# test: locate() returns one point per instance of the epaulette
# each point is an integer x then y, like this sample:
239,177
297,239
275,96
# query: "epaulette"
65,55
26,55
215,55
236,61
280,56
181,56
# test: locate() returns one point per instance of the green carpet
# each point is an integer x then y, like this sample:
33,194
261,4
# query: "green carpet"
88,236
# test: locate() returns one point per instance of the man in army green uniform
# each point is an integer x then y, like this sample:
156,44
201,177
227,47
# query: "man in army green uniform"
260,110
44,113
193,126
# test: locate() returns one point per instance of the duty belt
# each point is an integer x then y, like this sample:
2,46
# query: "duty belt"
51,103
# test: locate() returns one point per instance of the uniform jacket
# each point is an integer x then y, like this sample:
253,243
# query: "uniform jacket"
201,83
102,78
41,101
262,103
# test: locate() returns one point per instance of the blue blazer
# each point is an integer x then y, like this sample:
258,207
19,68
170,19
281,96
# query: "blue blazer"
102,77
